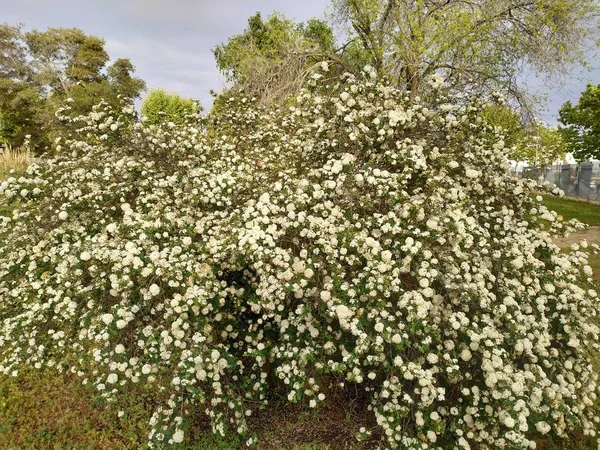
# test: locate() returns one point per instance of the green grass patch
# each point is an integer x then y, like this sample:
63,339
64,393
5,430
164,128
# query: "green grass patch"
568,208
41,409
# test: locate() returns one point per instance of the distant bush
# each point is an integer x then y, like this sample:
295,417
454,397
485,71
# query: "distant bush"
159,106
355,233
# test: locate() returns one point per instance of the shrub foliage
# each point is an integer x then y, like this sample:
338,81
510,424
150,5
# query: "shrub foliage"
354,233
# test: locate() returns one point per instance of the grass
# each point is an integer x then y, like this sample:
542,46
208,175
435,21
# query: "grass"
13,162
45,410
586,212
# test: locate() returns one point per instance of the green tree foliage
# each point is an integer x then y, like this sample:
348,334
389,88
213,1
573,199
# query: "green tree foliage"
580,124
270,58
160,106
478,45
41,70
120,76
535,143
63,57
19,108
507,122
19,96
13,62
540,145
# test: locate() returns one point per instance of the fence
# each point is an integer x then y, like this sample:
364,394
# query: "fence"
576,180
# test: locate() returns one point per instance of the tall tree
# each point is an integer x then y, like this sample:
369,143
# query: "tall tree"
13,54
40,70
506,121
62,57
160,106
540,145
480,45
120,76
580,124
270,58
533,142
20,98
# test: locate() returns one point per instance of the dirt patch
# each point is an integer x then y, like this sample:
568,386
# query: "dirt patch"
592,235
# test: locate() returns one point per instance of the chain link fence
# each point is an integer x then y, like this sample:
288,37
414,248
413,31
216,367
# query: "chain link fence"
576,180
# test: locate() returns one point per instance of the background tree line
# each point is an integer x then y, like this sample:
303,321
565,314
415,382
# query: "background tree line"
41,70
478,46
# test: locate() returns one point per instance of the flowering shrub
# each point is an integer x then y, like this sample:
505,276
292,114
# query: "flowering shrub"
356,233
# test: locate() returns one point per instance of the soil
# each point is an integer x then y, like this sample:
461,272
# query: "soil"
592,235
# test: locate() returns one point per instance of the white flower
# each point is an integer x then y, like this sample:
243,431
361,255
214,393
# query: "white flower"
542,427
466,355
154,290
509,422
178,436
472,173
107,318
386,256
63,215
517,263
343,312
112,378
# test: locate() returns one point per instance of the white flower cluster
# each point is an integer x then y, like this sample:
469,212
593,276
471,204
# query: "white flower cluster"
354,233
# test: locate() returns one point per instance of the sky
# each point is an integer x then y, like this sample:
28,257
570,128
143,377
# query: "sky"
170,41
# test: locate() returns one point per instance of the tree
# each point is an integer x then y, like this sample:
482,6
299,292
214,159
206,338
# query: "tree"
535,143
20,98
540,145
580,124
115,87
13,54
63,57
506,121
479,45
120,76
160,106
20,105
269,60
41,70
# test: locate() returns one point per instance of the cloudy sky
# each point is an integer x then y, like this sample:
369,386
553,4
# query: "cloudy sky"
170,41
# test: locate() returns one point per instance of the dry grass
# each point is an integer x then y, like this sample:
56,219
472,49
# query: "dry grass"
13,161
